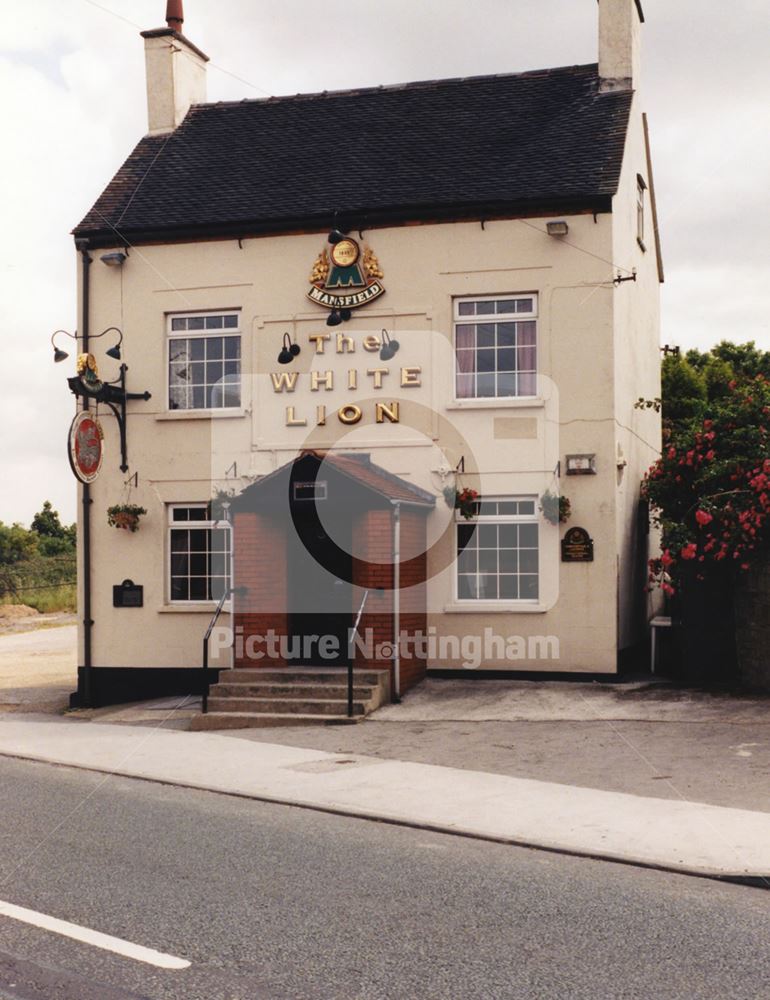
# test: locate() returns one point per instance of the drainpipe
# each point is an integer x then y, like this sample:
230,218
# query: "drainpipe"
396,600
87,691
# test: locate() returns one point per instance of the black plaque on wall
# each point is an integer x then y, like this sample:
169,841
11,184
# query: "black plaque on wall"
128,595
577,546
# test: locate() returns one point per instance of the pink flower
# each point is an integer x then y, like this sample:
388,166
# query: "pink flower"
703,517
689,551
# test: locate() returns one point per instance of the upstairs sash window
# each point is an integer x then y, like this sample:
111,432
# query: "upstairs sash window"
204,361
495,347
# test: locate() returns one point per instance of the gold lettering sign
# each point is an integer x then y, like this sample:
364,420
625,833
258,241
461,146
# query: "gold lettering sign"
292,420
387,410
349,414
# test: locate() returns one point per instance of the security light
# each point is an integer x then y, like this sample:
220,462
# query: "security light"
559,228
116,259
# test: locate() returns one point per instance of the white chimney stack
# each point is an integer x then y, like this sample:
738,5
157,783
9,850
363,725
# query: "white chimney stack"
620,24
176,72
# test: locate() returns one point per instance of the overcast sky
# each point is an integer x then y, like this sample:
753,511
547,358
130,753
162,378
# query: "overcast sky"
72,85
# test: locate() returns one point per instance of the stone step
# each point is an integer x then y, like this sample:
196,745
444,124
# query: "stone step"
250,720
285,706
255,689
304,675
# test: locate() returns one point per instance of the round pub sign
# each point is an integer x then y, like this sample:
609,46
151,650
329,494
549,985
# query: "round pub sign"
85,446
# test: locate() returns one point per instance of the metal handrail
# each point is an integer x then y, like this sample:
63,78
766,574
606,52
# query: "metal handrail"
206,637
350,652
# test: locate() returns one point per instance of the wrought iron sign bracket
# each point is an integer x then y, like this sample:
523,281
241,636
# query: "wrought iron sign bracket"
114,395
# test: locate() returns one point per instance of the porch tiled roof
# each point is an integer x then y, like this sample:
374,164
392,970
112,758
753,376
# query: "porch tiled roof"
359,469
390,486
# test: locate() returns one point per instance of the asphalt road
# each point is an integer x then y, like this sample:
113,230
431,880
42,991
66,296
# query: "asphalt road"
273,902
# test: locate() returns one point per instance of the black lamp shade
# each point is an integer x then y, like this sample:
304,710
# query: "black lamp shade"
59,355
335,236
389,346
114,352
345,314
334,318
289,351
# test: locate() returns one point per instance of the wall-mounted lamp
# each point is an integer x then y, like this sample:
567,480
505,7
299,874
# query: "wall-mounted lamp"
114,352
337,316
58,353
336,236
114,259
558,228
289,351
389,346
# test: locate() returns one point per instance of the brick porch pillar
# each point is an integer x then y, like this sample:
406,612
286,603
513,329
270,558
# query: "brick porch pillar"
373,569
259,544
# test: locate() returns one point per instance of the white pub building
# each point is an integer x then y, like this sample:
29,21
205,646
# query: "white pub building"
382,349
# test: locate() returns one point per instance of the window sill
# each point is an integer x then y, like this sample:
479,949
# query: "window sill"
193,608
223,414
499,403
494,608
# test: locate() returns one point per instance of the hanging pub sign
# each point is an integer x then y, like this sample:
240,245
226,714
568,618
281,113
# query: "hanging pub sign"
577,546
86,449
88,375
344,277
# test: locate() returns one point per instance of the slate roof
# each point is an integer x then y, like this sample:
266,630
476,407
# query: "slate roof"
510,144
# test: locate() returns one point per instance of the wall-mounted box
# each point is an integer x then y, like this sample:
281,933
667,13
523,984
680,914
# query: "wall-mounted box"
581,465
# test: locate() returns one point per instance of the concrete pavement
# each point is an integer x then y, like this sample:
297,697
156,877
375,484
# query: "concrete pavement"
641,772
677,835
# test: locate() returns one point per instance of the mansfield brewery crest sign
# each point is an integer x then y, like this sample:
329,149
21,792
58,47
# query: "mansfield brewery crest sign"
345,277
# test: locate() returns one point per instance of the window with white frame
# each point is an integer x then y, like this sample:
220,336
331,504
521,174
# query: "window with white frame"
498,553
199,554
641,187
204,361
495,346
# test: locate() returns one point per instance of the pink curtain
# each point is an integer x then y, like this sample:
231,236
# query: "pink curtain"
526,338
465,359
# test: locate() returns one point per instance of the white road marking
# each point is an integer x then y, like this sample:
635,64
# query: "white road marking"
95,938
741,751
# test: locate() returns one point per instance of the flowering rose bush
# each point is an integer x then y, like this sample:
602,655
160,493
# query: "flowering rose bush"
710,490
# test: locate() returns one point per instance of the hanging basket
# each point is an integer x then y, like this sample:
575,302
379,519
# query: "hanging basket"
125,515
556,509
465,500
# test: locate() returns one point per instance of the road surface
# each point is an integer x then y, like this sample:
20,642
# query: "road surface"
250,900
